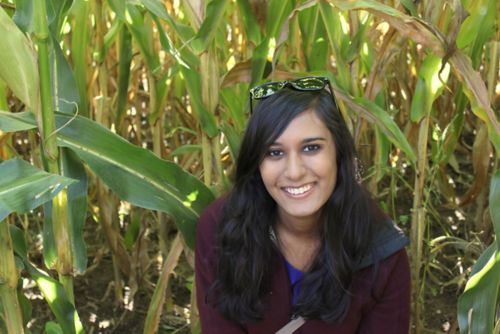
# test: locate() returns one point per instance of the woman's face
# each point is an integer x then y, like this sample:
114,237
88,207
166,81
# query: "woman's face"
300,169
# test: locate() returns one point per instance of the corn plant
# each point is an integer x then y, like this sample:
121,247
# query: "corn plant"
141,100
153,184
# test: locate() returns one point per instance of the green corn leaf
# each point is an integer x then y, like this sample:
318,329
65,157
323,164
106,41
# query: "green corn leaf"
477,304
277,12
410,7
338,42
259,61
55,295
250,24
193,85
124,63
56,14
486,32
313,32
373,113
79,45
48,241
110,38
26,307
157,8
133,230
477,28
233,139
235,107
185,32
332,25
3,96
64,84
135,174
354,48
142,36
16,122
420,104
72,167
24,187
17,62
52,327
18,242
185,57
119,7
23,16
186,149
451,135
209,27
383,150
429,86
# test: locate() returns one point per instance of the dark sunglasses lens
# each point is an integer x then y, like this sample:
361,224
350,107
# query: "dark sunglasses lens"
309,84
266,90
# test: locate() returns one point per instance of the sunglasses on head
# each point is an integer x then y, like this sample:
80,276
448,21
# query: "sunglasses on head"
303,84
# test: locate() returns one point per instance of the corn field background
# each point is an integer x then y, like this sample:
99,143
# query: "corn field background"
120,121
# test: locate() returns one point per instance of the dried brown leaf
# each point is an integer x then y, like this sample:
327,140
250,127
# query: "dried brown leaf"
481,153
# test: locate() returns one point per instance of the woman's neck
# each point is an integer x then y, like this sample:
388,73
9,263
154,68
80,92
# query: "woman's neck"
299,241
301,227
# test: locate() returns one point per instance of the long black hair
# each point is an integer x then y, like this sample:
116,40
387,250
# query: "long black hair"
244,246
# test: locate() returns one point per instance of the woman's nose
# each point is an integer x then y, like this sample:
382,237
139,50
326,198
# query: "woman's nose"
295,167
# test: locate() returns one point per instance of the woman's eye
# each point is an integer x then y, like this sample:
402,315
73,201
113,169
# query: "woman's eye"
274,153
311,148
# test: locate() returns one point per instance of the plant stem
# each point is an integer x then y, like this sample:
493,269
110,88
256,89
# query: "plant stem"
210,97
102,106
418,221
51,151
8,283
158,299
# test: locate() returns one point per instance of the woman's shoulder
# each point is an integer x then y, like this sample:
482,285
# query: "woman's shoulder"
206,227
213,210
387,239
210,216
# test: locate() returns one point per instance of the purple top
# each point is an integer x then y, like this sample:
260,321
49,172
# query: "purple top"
294,275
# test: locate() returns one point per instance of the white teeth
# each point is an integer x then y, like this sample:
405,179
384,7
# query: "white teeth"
298,191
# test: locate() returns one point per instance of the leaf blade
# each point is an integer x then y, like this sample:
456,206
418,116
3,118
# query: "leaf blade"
24,187
17,63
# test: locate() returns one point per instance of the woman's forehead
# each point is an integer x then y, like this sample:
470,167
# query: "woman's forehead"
304,127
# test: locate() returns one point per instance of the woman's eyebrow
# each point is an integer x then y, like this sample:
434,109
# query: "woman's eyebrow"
308,140
303,141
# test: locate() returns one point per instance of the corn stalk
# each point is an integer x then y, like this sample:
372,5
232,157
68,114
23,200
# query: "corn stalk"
8,282
51,152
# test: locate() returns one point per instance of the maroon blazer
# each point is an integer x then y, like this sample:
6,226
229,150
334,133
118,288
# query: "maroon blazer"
379,304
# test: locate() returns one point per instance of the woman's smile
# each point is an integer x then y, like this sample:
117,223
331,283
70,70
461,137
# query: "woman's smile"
299,192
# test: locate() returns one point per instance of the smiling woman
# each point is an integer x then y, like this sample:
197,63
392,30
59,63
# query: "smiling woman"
298,245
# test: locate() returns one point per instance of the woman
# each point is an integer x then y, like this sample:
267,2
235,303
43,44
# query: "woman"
298,242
